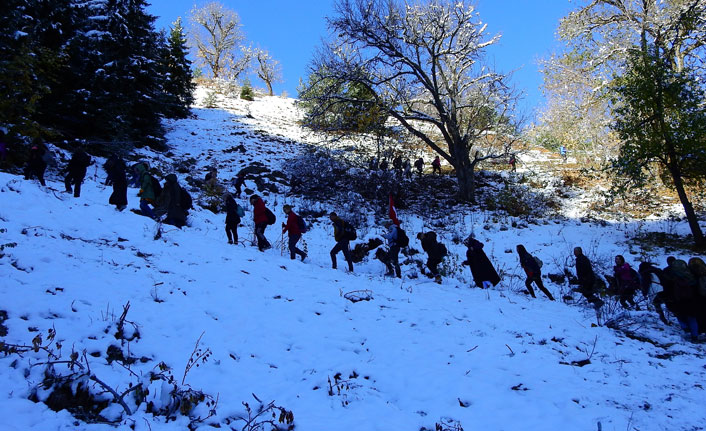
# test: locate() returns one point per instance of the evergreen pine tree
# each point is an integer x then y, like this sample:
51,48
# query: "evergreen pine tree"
178,80
56,24
27,69
132,73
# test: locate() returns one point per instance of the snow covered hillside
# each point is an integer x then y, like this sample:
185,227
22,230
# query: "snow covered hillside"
228,323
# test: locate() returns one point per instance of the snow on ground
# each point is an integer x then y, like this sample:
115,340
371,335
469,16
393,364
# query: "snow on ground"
414,355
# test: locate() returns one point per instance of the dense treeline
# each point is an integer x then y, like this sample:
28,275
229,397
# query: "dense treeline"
93,70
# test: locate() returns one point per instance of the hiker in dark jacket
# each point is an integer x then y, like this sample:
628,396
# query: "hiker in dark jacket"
233,214
586,278
36,165
238,183
392,259
169,203
698,269
689,304
419,165
115,168
397,166
342,241
293,232
484,274
3,147
76,171
108,167
435,253
261,221
533,271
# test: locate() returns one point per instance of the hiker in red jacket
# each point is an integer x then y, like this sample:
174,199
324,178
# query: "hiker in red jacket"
294,231
260,217
436,166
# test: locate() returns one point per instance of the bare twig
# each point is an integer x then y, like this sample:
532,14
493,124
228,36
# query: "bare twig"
196,357
117,397
511,352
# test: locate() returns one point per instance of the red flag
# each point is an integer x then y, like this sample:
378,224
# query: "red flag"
393,212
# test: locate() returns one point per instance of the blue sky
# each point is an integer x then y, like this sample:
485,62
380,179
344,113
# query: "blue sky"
291,30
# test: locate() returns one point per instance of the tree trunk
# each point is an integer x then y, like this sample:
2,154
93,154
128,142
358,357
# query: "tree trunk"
688,208
466,180
269,88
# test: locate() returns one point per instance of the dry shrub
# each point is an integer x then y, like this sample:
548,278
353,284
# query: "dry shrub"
519,201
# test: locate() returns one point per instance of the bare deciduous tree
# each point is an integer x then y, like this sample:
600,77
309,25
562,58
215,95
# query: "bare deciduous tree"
216,35
268,69
424,64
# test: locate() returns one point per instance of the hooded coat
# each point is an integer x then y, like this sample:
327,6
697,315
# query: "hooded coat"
481,267
169,202
116,173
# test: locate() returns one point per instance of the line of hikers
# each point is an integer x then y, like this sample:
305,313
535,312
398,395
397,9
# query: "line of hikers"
683,288
403,168
683,284
156,200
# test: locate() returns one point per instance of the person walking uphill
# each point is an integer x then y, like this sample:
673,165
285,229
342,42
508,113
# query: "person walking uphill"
148,190
169,203
115,168
533,271
435,253
436,166
419,165
484,274
36,165
586,278
261,219
238,183
234,213
294,232
76,171
393,255
627,282
340,234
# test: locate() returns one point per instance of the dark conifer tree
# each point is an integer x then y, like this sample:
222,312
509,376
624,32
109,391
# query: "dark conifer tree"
56,24
90,69
178,82
27,69
132,74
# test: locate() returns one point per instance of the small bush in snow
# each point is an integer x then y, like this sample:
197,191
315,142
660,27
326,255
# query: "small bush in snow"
246,92
211,100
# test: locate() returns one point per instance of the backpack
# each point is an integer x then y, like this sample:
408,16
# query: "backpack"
301,224
684,281
156,187
349,232
402,238
186,202
441,249
271,219
538,261
240,211
84,160
48,157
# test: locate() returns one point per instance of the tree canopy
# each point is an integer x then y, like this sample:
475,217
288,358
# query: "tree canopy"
424,64
597,37
661,123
